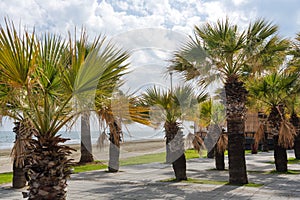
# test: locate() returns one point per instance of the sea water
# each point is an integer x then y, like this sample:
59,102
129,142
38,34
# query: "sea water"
7,138
131,132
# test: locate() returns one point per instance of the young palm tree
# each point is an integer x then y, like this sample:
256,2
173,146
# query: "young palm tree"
274,91
112,111
43,86
212,114
220,51
175,105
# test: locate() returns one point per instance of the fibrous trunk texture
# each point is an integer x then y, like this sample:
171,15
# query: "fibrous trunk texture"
280,155
296,123
236,111
48,168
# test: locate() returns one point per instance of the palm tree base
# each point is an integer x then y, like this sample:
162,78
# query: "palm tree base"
48,169
219,160
280,156
114,156
179,167
236,157
297,147
19,180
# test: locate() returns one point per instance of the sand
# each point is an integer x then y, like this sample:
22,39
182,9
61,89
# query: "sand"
128,149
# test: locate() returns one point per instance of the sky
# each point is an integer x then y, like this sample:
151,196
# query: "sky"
150,29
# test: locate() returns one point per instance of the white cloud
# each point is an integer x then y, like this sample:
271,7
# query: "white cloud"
117,17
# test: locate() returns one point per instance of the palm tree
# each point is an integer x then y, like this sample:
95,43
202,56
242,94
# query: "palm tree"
274,91
43,86
112,110
175,106
294,67
220,51
106,114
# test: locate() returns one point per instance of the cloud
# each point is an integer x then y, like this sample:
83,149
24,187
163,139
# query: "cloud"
116,18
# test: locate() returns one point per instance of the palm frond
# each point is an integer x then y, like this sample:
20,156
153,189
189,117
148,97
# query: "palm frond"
286,134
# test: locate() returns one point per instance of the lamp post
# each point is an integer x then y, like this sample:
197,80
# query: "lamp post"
171,73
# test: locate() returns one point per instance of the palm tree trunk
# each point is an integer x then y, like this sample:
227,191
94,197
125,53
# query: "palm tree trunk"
175,150
49,168
280,156
236,110
86,143
297,146
114,147
296,123
219,159
265,145
19,180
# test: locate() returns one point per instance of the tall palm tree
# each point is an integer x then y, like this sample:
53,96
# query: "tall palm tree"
175,105
43,87
274,91
220,50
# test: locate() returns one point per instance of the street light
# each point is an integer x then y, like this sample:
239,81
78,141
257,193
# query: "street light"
171,73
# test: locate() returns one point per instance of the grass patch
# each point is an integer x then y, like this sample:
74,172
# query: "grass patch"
89,167
293,161
291,172
196,181
191,154
254,185
290,161
6,177
155,157
144,159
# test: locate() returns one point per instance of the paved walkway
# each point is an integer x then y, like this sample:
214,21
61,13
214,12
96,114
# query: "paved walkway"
142,182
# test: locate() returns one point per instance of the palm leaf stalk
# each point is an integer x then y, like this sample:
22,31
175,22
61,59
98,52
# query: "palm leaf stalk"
219,51
24,132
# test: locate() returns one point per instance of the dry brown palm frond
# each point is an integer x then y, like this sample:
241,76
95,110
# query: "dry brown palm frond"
198,143
259,134
24,132
194,141
286,134
102,141
222,143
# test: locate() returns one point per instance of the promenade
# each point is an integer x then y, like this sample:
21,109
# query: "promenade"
144,182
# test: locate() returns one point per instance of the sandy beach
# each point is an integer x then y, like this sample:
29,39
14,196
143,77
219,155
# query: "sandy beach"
128,149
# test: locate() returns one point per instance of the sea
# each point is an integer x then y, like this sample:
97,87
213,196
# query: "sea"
130,133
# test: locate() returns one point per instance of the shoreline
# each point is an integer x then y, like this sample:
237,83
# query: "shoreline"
128,149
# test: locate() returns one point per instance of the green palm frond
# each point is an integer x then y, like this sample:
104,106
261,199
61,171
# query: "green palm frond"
272,89
178,104
220,50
